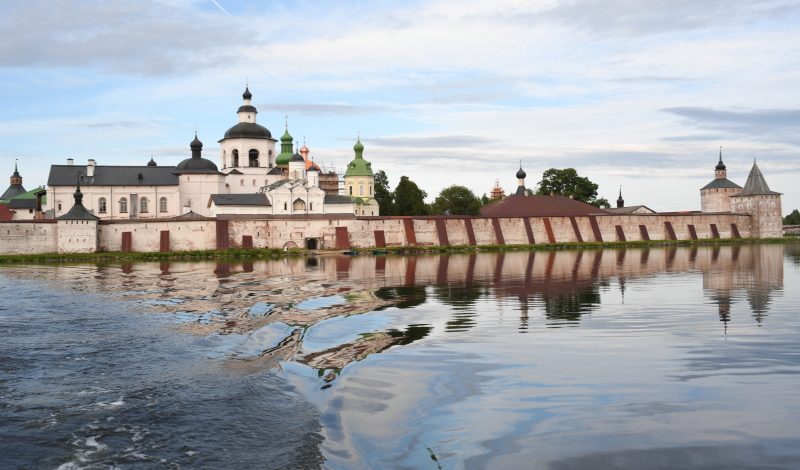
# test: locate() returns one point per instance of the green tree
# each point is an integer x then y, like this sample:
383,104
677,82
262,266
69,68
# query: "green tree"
792,219
485,200
566,182
383,194
409,199
456,200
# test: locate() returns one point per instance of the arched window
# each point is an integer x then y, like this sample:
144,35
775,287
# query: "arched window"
58,205
253,157
361,189
235,155
370,189
123,205
101,205
351,190
143,205
285,206
162,204
310,206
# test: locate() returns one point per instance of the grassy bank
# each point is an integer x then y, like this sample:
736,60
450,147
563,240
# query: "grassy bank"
238,253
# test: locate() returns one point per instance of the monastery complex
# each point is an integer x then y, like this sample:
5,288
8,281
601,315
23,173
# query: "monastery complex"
259,196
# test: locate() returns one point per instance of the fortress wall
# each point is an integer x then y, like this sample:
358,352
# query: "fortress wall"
539,232
457,231
146,236
426,232
43,237
514,231
18,238
484,231
257,229
680,222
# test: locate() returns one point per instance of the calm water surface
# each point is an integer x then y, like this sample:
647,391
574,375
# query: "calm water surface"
639,358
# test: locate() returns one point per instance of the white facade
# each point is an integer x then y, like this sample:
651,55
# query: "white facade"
246,166
119,202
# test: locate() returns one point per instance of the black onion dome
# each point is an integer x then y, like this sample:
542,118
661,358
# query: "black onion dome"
720,165
247,108
521,173
196,144
152,162
248,130
247,95
297,158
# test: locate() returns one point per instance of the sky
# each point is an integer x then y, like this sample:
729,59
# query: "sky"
637,94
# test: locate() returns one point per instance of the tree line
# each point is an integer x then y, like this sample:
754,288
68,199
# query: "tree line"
408,199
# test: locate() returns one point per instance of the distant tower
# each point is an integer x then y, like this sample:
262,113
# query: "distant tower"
497,192
620,201
283,158
359,182
763,205
521,182
15,188
716,195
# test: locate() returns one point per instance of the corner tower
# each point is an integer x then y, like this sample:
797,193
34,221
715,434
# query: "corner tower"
763,205
716,195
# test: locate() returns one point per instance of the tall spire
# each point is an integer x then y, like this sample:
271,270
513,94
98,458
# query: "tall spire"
16,172
620,201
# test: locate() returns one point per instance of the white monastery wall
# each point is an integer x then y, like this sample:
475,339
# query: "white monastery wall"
28,238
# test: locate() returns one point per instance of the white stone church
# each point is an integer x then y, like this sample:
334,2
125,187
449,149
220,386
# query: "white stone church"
251,180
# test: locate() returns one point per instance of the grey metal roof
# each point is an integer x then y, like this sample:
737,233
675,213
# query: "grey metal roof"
247,108
721,183
256,199
191,216
337,199
755,183
107,175
196,165
248,130
13,191
627,209
22,203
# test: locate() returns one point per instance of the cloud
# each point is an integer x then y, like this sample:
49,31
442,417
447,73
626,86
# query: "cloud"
325,108
694,138
626,18
147,37
773,125
439,141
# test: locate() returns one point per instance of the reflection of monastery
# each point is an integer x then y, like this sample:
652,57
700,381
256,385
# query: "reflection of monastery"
532,289
259,198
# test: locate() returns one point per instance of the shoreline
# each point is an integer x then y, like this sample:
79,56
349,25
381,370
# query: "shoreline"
276,253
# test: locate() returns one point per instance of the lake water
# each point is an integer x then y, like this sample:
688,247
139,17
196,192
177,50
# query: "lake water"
638,358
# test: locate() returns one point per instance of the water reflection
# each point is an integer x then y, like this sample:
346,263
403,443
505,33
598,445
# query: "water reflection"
408,354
